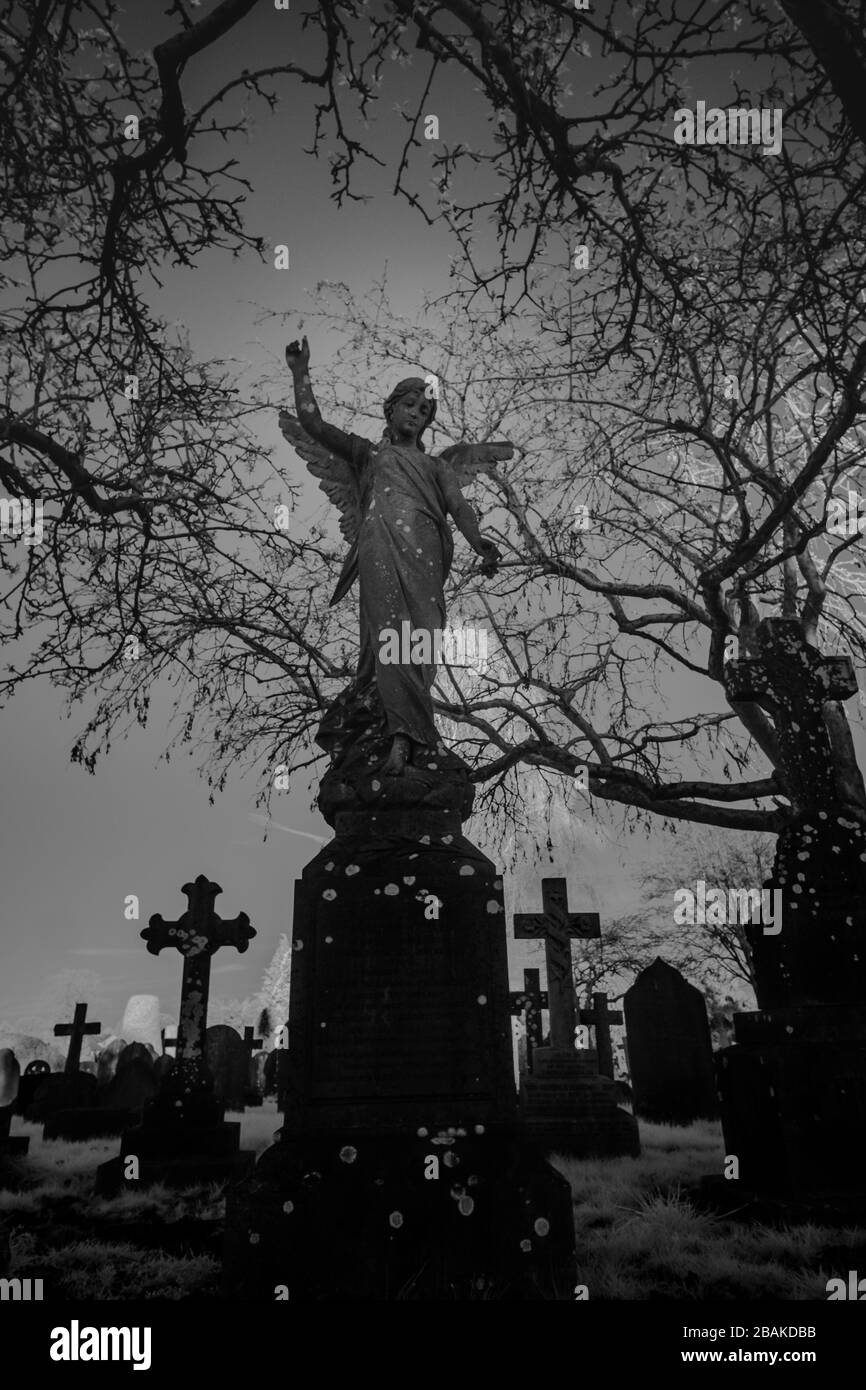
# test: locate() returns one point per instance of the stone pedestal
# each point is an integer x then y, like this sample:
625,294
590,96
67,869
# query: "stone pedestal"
180,1151
402,1170
568,1107
793,1092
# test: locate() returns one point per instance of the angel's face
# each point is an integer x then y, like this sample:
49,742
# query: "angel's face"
409,415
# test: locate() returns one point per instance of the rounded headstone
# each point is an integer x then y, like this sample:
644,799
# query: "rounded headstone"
38,1067
10,1073
141,1021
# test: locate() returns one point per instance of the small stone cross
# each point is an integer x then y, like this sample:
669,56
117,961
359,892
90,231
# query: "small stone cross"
556,927
75,1032
198,934
794,682
530,1001
600,1017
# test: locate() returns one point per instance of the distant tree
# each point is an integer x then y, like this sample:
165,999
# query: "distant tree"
273,997
716,958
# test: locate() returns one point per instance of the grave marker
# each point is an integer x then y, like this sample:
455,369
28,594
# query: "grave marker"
557,927
228,1063
669,1048
198,934
600,1018
566,1104
183,1137
76,1031
529,1003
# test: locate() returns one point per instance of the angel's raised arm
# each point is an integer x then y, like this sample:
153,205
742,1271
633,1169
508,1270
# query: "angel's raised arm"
306,405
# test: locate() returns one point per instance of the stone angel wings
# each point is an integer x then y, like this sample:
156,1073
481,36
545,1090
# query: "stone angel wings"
340,481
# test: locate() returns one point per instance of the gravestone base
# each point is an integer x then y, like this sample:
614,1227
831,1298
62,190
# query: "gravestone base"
372,1217
92,1122
793,1094
180,1155
57,1092
568,1107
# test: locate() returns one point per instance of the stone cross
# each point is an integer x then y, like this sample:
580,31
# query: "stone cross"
251,1042
198,934
794,682
600,1017
556,927
530,1001
75,1032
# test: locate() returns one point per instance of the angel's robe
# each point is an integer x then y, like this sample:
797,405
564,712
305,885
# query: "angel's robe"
405,549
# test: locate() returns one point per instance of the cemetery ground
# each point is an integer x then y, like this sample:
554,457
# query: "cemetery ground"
642,1232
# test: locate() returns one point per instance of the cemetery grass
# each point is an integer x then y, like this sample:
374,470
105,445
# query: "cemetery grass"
56,1224
641,1234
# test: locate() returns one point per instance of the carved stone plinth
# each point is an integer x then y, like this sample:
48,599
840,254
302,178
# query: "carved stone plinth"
402,1171
568,1107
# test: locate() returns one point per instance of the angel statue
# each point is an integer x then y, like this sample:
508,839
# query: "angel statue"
394,500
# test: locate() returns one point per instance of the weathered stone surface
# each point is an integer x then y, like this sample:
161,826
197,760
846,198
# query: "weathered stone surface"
400,953
399,1020
669,1048
568,1107
141,1021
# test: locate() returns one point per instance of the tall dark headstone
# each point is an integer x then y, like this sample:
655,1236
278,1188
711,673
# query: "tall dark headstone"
402,1170
669,1048
228,1063
565,1103
183,1137
793,1085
